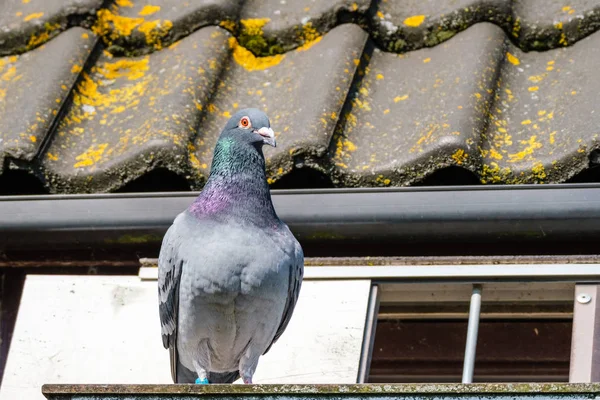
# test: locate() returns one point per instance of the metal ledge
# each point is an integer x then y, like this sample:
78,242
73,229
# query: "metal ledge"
535,213
372,391
445,273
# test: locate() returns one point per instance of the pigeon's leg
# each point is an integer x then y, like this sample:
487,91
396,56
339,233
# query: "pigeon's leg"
201,362
202,374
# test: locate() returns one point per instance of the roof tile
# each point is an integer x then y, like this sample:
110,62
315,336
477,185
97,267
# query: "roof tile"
409,25
25,24
30,97
545,120
138,27
303,92
130,115
417,112
543,24
347,108
273,26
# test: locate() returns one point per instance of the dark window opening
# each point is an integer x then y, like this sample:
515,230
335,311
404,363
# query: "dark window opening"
507,351
525,332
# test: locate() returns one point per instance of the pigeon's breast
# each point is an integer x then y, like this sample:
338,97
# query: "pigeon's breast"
233,291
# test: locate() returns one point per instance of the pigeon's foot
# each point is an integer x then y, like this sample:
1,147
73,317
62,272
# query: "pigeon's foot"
201,381
247,381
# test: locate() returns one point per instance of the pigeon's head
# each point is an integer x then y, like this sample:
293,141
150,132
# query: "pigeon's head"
251,126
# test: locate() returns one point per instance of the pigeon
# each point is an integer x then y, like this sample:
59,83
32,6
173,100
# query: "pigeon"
229,270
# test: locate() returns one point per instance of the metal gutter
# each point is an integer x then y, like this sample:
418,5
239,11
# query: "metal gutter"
535,213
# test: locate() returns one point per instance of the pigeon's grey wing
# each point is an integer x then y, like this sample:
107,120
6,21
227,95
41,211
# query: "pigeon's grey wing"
295,281
169,274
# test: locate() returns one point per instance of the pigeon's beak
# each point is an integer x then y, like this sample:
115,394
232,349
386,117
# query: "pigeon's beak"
268,136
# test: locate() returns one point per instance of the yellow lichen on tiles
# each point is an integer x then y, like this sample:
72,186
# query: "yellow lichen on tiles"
354,6
362,104
40,38
123,26
111,26
552,137
253,26
91,156
494,154
124,3
526,122
75,69
228,24
382,180
149,10
516,27
51,156
380,15
538,171
400,98
533,88
192,156
33,16
308,44
492,173
414,21
459,156
32,138
512,59
379,77
568,9
155,31
563,40
249,61
9,74
88,98
343,148
132,69
530,146
426,60
536,78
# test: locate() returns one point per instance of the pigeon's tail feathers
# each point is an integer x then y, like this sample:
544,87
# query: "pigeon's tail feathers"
223,377
175,365
184,375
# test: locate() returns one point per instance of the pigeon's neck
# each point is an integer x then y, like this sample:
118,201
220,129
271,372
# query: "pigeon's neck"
237,186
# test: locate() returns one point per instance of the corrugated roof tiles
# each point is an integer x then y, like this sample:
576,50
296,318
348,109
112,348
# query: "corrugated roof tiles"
95,95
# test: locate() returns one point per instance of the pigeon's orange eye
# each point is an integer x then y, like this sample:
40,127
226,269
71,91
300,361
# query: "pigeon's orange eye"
245,122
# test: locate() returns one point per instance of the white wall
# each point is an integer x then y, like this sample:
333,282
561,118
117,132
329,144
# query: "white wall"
105,329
